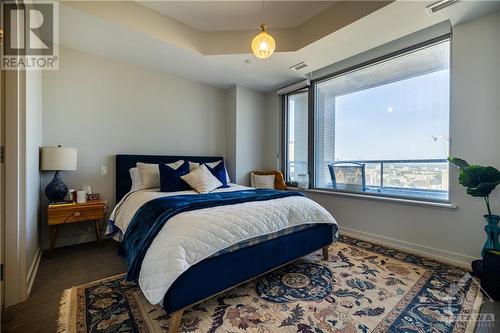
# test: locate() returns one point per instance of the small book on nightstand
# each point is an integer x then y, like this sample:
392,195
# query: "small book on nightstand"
61,203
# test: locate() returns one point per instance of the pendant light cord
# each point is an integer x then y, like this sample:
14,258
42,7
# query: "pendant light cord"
263,12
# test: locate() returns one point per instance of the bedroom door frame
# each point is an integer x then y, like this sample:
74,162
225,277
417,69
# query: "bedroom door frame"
14,182
2,188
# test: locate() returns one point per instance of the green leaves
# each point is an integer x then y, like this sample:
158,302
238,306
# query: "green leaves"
458,162
480,181
482,190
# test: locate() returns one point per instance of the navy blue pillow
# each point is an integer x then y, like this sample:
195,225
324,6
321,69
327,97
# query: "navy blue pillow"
170,179
219,171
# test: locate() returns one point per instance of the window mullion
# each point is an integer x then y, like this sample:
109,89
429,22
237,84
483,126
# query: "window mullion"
284,137
311,136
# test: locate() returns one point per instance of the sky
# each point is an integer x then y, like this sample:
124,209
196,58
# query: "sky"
407,119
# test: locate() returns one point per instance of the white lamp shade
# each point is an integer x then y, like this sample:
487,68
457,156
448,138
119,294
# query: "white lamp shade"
58,158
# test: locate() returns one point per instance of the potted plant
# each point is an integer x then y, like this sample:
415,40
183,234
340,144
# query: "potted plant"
480,181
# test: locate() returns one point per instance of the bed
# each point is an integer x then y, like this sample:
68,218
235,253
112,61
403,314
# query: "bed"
232,260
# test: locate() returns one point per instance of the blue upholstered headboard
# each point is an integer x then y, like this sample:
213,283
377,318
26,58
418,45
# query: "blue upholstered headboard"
125,162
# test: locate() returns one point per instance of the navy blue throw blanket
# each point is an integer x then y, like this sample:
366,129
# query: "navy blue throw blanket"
152,216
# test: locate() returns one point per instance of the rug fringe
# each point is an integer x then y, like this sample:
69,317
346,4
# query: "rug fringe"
476,310
63,321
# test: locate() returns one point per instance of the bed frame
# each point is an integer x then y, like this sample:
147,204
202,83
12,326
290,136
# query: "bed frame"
215,275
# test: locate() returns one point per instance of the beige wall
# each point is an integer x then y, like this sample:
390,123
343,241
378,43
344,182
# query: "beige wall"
247,133
103,107
272,147
250,132
455,234
231,132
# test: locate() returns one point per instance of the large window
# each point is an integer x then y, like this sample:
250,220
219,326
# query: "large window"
383,128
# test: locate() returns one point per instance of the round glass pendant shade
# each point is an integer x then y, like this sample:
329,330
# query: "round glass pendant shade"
263,44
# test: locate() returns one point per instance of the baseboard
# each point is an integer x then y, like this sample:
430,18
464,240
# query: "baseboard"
449,257
33,270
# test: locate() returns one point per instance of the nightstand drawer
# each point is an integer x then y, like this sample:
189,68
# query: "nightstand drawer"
75,214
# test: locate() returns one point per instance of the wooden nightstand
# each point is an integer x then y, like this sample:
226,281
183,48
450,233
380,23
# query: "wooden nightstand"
91,211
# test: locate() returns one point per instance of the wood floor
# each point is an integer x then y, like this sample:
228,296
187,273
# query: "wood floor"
79,264
68,267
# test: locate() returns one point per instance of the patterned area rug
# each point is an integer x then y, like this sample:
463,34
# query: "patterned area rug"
363,287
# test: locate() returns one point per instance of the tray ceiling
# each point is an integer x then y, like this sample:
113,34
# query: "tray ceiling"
129,32
239,15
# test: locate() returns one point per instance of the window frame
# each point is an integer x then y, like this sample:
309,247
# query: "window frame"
312,124
284,131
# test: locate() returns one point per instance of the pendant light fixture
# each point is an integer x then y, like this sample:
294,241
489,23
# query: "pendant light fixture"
263,44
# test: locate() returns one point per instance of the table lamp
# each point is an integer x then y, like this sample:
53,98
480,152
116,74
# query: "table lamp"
57,159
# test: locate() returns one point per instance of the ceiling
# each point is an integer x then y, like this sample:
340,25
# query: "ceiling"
138,35
239,15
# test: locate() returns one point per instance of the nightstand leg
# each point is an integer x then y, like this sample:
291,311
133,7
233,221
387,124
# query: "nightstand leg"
53,239
98,231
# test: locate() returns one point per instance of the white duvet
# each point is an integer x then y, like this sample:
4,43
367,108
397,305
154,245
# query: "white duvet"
190,237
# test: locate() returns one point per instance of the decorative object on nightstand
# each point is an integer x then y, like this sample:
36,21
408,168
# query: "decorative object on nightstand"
57,159
59,214
93,196
81,197
72,195
87,189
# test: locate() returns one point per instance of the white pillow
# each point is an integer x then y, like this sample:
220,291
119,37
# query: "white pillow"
194,165
135,176
202,180
259,181
150,173
176,165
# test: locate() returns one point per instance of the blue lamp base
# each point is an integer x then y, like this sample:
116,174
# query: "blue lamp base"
56,190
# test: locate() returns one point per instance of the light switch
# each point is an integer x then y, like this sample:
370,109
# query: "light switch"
104,170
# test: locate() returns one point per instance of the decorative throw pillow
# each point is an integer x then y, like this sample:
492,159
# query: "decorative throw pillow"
202,180
262,181
149,174
170,176
135,176
193,166
212,166
219,172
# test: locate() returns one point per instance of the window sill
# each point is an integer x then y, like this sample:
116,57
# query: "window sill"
413,202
